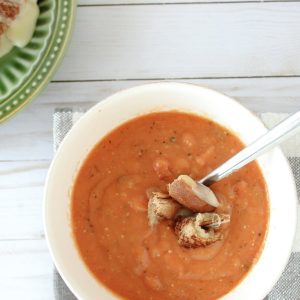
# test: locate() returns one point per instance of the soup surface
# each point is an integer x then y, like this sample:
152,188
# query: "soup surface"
109,210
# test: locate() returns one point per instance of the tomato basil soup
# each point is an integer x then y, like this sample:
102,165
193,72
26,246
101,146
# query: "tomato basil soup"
109,210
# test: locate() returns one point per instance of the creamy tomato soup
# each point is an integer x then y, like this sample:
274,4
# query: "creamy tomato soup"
109,210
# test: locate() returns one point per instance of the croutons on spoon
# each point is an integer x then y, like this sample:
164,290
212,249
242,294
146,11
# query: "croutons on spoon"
193,195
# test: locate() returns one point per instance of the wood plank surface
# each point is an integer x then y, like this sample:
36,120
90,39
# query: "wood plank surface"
21,195
184,41
26,271
28,136
141,2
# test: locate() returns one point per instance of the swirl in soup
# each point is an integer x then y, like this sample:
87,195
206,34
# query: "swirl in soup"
139,261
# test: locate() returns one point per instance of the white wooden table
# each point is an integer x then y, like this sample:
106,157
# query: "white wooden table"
249,50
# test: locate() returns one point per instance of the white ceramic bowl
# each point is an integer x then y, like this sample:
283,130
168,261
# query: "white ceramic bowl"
120,107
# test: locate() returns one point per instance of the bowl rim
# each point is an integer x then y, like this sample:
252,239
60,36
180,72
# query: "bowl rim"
141,88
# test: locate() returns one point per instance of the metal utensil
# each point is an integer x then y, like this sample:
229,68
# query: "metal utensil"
272,138
184,185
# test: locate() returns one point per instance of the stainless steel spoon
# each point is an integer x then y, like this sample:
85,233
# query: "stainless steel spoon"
270,139
196,194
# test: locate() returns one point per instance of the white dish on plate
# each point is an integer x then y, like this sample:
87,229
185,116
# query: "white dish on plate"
125,105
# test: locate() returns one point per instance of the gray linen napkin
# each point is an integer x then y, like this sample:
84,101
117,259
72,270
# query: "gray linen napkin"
288,286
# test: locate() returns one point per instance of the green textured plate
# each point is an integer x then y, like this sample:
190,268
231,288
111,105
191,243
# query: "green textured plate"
25,72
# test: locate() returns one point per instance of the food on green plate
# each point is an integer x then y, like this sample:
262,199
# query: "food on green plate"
17,23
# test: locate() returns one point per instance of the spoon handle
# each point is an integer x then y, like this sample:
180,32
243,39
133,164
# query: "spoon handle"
264,143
